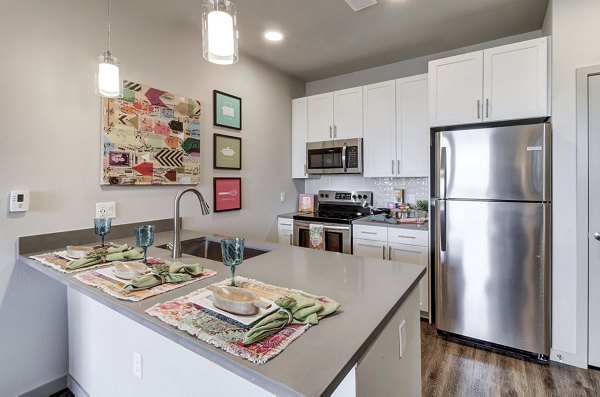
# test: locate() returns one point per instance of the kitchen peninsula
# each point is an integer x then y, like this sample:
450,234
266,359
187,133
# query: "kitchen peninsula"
354,352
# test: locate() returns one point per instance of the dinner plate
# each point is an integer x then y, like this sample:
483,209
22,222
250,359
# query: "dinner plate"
204,299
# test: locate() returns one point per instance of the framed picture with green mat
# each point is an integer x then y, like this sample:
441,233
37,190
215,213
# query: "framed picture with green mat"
227,152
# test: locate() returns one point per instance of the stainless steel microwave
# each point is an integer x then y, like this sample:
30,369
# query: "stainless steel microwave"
343,156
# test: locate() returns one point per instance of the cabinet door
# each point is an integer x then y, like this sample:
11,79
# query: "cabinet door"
285,230
456,89
379,144
369,248
418,255
347,113
320,117
412,126
299,135
516,81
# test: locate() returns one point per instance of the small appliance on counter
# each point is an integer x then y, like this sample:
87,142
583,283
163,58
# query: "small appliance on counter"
335,212
342,156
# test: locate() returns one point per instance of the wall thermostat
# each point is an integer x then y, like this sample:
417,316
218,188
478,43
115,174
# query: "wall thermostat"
19,200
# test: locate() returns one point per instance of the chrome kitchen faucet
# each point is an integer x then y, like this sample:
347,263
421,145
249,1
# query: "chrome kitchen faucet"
177,222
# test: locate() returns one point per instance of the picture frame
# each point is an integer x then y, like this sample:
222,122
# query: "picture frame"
227,194
227,110
227,152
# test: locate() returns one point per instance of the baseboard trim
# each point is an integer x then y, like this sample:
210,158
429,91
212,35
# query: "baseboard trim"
76,388
48,388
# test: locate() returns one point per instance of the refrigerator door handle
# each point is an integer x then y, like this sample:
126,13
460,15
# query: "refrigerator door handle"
443,174
442,204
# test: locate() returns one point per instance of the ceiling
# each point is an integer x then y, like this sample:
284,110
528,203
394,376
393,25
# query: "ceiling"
324,38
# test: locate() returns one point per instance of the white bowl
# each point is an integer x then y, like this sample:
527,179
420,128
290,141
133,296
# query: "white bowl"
129,270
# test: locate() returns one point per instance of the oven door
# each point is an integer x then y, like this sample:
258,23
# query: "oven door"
338,238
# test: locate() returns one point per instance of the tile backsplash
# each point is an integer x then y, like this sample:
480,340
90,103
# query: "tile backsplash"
382,188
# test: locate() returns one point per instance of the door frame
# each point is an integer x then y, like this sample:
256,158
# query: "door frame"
582,207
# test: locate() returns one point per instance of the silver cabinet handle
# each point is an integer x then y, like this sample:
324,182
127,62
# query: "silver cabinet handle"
487,108
597,236
285,224
390,252
330,132
398,166
305,169
393,166
383,249
291,243
368,232
402,236
335,131
478,105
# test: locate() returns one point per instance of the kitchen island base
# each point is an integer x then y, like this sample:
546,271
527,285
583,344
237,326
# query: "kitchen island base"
103,343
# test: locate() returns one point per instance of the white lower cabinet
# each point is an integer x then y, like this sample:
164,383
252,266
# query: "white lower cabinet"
396,244
285,231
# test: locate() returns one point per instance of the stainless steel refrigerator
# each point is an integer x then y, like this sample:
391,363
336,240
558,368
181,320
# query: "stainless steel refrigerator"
492,209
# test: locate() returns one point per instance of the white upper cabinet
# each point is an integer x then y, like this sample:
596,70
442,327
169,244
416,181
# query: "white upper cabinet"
347,113
456,89
412,127
515,84
299,136
320,117
379,115
502,83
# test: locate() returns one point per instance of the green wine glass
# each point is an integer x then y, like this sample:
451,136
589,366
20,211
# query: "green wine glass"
233,254
102,227
144,237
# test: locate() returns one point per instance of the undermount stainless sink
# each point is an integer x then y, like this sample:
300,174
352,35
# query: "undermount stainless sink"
210,248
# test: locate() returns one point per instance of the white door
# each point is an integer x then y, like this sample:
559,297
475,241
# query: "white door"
320,117
347,113
594,222
412,127
299,136
418,255
516,81
369,248
456,89
379,144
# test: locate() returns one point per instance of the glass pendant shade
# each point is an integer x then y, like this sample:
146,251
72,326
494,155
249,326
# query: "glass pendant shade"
108,78
219,32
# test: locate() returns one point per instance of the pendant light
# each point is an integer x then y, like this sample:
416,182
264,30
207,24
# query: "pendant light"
219,32
108,79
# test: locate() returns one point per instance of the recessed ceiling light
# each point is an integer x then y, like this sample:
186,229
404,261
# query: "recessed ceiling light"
273,36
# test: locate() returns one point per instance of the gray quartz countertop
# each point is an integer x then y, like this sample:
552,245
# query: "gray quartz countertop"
370,291
368,221
289,215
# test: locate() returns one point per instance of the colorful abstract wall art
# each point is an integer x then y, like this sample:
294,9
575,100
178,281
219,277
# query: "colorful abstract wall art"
150,137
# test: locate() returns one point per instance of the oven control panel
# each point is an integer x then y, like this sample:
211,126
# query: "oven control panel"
345,197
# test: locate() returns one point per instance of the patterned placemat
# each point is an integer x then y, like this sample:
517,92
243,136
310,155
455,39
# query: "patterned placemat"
225,333
59,263
106,280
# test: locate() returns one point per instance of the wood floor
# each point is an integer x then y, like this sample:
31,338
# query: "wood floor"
451,369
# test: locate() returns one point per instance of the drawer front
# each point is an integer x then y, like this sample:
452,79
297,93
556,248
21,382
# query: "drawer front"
408,236
285,224
365,232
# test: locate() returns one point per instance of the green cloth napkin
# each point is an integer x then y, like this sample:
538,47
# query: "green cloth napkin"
106,254
165,273
304,311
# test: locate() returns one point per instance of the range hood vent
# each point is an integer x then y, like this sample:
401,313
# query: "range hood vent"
358,5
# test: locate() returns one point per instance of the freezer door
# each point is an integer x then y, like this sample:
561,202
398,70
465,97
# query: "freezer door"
493,275
502,163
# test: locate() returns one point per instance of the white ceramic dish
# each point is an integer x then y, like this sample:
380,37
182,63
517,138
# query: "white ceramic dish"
63,254
129,270
78,251
204,299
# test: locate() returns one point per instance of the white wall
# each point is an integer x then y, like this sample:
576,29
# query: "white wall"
575,31
50,128
401,69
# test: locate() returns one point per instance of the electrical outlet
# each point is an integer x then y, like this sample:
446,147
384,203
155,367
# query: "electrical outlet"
137,365
106,210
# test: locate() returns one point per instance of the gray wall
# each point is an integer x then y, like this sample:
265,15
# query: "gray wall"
51,134
401,69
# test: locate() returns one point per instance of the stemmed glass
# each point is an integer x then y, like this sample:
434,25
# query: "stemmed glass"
102,227
144,237
233,254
